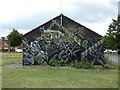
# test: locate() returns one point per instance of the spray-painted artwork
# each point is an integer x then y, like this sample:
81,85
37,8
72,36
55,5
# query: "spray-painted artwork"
62,39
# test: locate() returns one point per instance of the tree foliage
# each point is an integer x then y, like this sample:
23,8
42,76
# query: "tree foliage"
112,37
15,38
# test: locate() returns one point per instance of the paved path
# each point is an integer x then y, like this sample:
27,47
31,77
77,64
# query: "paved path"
16,65
19,65
114,58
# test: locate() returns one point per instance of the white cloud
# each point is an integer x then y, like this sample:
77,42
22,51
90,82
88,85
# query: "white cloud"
13,9
100,28
24,13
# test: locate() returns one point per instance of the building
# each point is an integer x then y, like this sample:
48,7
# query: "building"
62,38
5,46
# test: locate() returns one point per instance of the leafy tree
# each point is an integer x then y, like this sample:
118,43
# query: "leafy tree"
15,38
112,37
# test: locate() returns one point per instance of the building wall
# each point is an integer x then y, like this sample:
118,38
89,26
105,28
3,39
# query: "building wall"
4,45
75,43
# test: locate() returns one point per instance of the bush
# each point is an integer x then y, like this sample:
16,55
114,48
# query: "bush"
5,50
57,63
62,63
83,64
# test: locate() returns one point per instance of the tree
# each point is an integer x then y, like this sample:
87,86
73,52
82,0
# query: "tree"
112,37
15,38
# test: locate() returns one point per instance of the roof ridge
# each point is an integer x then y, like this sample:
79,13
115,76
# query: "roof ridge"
65,17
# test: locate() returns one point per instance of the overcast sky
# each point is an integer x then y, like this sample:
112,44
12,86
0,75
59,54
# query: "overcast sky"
25,15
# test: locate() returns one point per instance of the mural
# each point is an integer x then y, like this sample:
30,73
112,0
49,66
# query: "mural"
68,44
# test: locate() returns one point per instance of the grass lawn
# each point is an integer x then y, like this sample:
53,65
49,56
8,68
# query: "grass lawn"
49,77
10,58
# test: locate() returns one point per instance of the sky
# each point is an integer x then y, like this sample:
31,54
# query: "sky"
25,15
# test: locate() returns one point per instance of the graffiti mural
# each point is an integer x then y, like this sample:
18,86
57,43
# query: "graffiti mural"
62,44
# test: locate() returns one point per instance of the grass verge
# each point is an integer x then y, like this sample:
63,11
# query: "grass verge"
10,58
54,77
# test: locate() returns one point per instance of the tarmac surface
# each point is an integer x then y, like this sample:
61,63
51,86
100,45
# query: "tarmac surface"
114,58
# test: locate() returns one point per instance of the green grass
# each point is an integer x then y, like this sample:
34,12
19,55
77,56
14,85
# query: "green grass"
10,58
49,77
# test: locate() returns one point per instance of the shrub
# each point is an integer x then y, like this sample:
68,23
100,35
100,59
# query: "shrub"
57,63
62,63
5,50
83,64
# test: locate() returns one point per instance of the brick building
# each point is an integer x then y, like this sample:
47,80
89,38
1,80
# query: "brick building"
5,46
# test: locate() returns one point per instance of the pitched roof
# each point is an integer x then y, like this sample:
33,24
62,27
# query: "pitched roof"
66,22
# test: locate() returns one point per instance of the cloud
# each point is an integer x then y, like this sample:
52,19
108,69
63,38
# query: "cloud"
28,22
14,9
24,15
91,12
100,27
